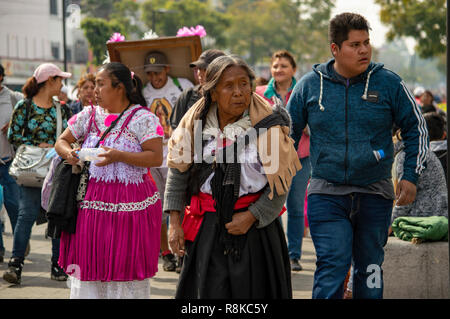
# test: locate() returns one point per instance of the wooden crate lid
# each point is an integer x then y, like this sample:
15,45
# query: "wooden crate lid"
180,52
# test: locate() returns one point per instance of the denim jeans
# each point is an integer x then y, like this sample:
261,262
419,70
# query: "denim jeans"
343,227
294,205
29,208
10,196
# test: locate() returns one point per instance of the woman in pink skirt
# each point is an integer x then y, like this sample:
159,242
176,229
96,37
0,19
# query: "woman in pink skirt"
114,251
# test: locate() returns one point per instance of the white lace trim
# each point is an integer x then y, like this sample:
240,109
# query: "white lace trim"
120,207
109,290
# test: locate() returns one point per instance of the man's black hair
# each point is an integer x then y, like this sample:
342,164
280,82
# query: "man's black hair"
435,125
2,70
342,24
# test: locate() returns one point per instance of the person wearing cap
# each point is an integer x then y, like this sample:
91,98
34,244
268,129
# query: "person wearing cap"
40,130
161,93
8,99
193,94
418,91
190,96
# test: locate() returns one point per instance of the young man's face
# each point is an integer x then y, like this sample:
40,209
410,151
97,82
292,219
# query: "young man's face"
158,79
354,55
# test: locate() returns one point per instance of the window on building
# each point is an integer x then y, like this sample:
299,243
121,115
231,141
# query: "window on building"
53,7
55,50
69,55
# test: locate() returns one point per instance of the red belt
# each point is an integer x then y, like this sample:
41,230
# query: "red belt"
201,203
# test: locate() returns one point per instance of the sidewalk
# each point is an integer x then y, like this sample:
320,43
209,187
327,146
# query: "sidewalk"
36,282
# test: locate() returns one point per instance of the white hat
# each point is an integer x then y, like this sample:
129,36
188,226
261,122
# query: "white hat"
418,91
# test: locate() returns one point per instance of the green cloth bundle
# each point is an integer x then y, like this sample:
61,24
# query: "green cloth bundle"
432,228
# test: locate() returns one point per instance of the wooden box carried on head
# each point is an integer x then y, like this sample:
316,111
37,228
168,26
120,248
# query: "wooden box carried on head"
180,52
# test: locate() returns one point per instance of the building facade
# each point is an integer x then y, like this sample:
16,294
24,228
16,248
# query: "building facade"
31,32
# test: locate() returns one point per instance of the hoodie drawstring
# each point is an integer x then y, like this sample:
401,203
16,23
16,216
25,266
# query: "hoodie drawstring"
364,96
322,108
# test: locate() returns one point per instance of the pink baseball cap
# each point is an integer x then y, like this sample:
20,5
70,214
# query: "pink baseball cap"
47,70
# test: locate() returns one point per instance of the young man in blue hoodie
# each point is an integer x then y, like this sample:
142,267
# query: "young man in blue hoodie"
351,104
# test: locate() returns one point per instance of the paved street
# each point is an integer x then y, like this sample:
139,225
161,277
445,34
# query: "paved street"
36,282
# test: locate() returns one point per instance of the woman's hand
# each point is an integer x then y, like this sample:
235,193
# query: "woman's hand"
240,223
45,145
176,234
111,155
72,156
4,129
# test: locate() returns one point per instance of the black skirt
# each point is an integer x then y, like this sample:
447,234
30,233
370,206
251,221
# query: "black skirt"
263,271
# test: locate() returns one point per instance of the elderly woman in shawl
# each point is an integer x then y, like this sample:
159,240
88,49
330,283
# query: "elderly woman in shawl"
231,162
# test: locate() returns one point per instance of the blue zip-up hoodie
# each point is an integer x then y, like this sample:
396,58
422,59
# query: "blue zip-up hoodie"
350,119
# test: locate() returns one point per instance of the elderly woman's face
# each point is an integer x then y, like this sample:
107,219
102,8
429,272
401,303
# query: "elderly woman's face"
233,92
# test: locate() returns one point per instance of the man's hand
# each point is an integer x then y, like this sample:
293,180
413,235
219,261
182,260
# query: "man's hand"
240,223
405,193
45,145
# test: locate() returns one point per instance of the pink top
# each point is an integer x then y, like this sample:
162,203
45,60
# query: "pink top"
127,135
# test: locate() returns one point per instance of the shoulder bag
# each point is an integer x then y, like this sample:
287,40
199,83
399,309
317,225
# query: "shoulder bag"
32,163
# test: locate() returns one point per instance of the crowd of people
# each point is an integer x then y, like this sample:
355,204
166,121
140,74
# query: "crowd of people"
351,149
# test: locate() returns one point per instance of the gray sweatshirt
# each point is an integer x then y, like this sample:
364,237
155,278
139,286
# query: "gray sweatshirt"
431,197
8,100
264,209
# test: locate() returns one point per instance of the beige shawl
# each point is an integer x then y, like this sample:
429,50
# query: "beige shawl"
275,148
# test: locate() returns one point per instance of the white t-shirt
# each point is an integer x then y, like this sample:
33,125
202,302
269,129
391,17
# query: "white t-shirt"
161,102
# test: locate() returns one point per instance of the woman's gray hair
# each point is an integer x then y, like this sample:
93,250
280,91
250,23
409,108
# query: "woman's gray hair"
218,66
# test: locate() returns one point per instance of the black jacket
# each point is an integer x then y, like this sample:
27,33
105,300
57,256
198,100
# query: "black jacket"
62,207
183,104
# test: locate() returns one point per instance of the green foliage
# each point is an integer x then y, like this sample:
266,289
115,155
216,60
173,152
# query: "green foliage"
425,21
261,27
97,32
253,29
103,18
185,13
127,14
412,69
98,8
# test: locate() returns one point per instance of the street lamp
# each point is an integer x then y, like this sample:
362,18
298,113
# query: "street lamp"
154,12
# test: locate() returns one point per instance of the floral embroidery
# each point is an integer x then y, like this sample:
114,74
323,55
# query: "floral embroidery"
160,130
143,126
120,207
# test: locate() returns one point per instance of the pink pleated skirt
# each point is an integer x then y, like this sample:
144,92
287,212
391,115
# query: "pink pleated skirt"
117,236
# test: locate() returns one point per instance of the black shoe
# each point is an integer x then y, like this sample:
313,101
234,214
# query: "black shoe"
179,264
14,273
295,265
58,273
169,262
